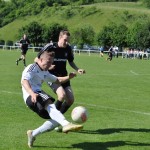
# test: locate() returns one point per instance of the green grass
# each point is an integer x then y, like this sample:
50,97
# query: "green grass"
115,93
107,12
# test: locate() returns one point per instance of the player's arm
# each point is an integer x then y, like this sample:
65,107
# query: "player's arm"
74,66
66,78
25,83
20,43
28,41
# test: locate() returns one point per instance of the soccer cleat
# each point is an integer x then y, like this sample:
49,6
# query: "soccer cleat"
31,139
71,127
17,62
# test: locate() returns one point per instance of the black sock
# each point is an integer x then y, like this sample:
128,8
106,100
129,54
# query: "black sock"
24,62
64,107
19,59
58,104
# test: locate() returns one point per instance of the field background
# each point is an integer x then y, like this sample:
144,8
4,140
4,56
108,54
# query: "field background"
115,93
107,13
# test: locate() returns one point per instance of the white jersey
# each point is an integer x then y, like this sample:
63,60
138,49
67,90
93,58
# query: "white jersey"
36,77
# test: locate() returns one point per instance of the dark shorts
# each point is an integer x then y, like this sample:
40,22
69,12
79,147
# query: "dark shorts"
66,84
38,107
110,54
54,86
24,51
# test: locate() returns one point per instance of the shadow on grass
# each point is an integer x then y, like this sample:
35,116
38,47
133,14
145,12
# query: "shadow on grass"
106,145
114,130
97,145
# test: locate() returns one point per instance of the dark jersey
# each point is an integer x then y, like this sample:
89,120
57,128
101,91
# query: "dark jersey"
62,55
25,43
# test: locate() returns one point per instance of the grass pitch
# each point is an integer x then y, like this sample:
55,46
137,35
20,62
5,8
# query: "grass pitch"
115,93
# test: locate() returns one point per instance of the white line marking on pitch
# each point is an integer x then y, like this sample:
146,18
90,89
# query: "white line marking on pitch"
134,72
8,92
92,105
112,108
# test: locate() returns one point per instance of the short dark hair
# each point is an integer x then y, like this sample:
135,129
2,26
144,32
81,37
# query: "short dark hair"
50,53
64,32
49,48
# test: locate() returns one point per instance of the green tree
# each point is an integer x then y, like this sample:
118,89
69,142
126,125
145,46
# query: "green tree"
113,35
138,35
104,36
118,36
146,3
83,2
51,33
83,35
2,3
2,42
144,36
34,32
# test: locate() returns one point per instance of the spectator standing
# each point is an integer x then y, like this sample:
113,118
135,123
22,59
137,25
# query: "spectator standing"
101,51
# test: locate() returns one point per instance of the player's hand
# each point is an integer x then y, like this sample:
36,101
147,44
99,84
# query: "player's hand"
34,97
51,67
72,75
81,71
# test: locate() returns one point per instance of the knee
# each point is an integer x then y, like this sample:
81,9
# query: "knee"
70,102
61,96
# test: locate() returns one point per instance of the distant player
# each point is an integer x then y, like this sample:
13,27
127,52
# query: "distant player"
110,53
24,43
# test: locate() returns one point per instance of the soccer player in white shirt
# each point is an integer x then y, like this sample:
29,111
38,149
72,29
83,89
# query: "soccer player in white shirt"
38,101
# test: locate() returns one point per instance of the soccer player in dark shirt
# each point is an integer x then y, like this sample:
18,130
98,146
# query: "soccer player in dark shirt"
63,54
110,53
24,43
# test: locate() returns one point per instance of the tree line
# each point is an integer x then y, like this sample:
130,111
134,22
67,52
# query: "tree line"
135,36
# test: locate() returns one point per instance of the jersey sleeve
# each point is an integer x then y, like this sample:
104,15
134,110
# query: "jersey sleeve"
27,74
50,78
70,54
28,41
20,41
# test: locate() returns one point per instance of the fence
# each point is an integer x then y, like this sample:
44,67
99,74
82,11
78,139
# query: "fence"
124,54
6,47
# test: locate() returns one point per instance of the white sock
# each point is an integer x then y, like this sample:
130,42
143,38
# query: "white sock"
56,115
47,126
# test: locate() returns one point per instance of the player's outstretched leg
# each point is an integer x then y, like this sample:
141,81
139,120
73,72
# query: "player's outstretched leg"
71,127
31,139
17,61
58,117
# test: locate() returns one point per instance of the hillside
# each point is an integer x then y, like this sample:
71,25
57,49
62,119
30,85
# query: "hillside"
105,13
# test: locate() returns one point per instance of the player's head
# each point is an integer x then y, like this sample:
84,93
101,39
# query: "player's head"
46,59
49,47
24,36
64,37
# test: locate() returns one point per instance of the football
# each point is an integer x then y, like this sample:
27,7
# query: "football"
79,114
